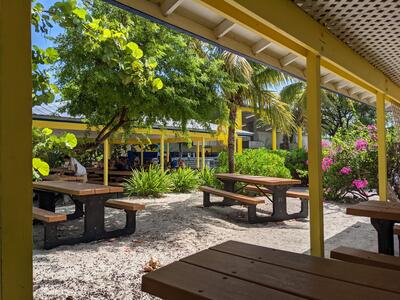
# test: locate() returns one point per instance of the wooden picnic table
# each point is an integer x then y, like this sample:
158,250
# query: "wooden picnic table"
278,186
383,216
89,200
235,270
56,177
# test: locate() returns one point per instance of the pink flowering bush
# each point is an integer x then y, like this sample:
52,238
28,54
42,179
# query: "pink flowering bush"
361,145
345,170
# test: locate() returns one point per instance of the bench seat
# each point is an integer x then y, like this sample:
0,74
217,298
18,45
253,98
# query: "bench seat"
121,204
359,256
47,216
233,196
292,194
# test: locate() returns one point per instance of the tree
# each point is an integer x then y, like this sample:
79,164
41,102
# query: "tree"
122,71
248,84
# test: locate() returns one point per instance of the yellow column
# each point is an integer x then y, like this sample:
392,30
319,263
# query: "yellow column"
315,155
380,121
198,155
15,151
299,137
274,138
106,157
240,145
167,152
203,154
162,152
142,156
239,125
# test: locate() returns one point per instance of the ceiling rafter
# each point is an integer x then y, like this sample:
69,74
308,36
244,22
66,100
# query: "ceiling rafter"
169,6
223,28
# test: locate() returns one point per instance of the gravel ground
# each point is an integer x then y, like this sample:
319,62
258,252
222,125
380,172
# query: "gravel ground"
168,229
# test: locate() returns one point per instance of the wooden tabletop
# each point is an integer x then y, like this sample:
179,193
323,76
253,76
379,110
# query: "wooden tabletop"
261,180
376,209
56,177
235,270
114,172
75,188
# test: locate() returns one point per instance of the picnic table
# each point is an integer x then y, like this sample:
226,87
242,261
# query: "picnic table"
56,177
383,216
278,187
122,173
235,270
89,199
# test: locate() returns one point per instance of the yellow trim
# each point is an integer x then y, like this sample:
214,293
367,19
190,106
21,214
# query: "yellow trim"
106,158
314,155
168,152
141,156
382,166
198,155
203,154
15,151
299,137
162,153
273,133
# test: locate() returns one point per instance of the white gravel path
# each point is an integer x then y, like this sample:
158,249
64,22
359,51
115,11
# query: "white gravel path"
168,229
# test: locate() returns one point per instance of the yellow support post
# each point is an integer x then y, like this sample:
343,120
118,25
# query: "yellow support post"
273,138
382,167
198,155
239,125
162,152
15,151
106,157
203,154
240,145
315,154
142,156
167,152
299,137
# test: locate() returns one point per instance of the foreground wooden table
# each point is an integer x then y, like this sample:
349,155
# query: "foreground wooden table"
235,270
383,215
279,188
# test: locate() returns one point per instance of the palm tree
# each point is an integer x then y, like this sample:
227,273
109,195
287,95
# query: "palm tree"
249,83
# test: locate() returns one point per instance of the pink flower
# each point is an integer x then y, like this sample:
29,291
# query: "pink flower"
361,145
345,170
325,144
339,149
360,183
326,163
372,128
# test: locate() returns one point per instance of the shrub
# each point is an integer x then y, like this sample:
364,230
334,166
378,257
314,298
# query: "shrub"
152,182
261,162
296,162
184,180
207,177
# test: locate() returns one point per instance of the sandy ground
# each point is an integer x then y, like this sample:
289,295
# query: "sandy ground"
168,229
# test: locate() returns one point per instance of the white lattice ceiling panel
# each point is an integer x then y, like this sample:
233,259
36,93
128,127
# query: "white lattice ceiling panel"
369,27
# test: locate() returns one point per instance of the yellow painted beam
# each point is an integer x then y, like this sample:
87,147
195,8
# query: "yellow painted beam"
273,133
203,154
162,153
198,155
106,158
382,165
265,18
315,155
299,137
15,151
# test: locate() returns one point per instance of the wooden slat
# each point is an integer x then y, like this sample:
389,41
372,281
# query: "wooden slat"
75,188
180,280
359,256
233,196
293,194
121,204
376,209
47,216
352,273
285,279
261,180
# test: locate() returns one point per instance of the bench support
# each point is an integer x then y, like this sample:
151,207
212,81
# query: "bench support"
50,235
385,235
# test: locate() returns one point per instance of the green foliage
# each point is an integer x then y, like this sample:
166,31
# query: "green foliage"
152,182
184,180
207,178
48,148
296,162
261,162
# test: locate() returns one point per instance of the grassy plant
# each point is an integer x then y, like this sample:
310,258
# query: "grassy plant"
207,177
185,180
152,182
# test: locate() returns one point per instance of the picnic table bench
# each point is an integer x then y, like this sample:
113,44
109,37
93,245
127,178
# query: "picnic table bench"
235,270
383,216
90,202
278,187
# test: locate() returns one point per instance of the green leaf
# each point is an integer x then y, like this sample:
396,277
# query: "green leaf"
70,140
157,84
136,51
52,54
41,166
47,131
107,33
80,12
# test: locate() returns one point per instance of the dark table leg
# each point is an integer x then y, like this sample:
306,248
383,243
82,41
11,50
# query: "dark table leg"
279,203
385,235
229,186
47,200
94,217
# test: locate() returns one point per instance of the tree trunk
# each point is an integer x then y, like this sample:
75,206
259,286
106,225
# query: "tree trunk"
231,137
